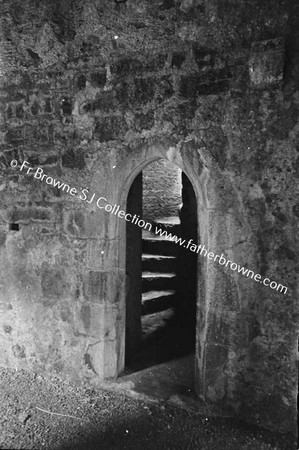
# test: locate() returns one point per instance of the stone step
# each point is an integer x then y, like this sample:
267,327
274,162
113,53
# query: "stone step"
155,301
173,220
158,263
158,246
155,281
169,224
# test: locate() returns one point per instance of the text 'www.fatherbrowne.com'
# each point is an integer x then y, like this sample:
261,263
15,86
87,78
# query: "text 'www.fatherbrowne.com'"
201,249
102,203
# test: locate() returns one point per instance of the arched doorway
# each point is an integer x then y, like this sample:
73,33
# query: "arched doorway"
161,267
106,256
217,293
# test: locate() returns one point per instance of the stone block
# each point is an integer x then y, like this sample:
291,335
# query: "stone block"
144,121
164,88
98,79
73,160
162,186
34,108
28,214
153,64
204,57
75,224
110,128
38,134
19,111
126,67
193,85
53,284
144,89
177,60
48,105
9,112
97,282
85,315
66,105
81,82
189,85
124,93
14,136
266,63
105,102
103,287
167,4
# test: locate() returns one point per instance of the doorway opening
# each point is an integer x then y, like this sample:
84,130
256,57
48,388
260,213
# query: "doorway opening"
161,272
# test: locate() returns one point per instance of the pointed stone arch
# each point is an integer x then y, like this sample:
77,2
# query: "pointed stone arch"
212,343
197,174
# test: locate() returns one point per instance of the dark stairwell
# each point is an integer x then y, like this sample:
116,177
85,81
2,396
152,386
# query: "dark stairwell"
165,332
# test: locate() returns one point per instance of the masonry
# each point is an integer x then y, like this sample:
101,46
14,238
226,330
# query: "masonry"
162,188
92,92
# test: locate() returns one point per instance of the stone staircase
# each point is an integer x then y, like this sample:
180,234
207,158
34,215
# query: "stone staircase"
159,260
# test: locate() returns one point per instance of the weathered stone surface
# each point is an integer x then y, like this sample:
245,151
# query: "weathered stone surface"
177,60
110,128
266,63
27,214
192,86
161,190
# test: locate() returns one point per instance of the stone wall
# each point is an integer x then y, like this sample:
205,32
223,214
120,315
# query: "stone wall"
162,186
92,92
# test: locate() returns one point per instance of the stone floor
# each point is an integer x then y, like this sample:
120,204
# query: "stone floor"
171,382
45,412
163,339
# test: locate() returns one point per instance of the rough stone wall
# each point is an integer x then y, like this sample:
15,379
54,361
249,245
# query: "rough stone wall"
84,85
162,186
